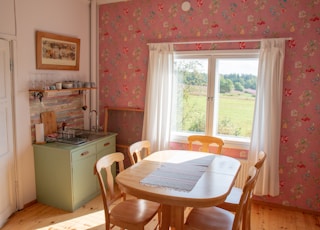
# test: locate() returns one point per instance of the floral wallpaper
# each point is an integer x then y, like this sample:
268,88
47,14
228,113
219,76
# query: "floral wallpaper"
127,27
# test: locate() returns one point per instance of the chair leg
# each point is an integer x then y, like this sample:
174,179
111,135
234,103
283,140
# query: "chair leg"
159,218
246,221
249,219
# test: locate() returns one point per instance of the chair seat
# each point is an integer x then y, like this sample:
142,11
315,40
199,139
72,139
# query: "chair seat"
127,214
215,218
133,211
233,200
210,218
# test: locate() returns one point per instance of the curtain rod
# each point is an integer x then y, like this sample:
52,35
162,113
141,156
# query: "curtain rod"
216,41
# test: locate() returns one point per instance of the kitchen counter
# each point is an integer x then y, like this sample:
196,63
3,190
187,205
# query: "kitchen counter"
67,146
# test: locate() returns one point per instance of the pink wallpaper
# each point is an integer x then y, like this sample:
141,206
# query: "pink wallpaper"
127,27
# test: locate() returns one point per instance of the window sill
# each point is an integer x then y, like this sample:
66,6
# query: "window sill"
231,143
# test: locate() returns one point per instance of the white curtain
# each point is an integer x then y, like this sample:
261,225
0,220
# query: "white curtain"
156,123
267,115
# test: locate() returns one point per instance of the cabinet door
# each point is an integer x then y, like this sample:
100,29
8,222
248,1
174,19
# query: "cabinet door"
7,17
53,177
83,178
106,147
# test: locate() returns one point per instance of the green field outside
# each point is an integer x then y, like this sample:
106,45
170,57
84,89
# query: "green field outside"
235,114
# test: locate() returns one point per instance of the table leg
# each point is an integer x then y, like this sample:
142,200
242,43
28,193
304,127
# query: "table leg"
177,217
165,217
172,216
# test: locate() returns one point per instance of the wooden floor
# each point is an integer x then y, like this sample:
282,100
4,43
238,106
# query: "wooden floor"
91,216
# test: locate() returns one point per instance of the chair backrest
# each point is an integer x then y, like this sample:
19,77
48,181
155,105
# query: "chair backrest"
206,141
261,158
106,181
245,197
136,149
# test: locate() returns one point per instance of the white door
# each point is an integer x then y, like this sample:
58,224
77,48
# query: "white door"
7,163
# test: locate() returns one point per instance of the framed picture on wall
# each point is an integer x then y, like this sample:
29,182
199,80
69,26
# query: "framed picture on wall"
57,52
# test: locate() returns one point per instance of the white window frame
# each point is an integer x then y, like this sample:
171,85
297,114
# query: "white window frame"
212,55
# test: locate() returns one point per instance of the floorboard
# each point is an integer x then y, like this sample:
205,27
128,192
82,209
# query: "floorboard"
91,217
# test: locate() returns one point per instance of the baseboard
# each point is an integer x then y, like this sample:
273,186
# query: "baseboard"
289,208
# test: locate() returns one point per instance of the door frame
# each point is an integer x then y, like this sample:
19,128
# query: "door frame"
13,50
12,56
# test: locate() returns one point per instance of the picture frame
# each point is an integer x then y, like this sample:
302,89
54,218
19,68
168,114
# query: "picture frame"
57,52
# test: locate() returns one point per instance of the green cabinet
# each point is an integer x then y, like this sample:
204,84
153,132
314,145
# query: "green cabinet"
64,173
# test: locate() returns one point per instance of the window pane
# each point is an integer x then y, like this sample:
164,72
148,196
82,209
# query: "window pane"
237,90
190,92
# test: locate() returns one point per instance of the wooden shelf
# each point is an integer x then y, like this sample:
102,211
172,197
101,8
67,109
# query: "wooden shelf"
58,90
39,93
123,109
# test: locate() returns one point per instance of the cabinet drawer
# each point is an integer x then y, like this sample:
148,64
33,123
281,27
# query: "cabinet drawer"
83,153
108,143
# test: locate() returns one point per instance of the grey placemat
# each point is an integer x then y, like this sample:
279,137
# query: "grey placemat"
180,176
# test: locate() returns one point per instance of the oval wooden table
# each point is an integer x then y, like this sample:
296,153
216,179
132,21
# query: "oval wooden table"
179,179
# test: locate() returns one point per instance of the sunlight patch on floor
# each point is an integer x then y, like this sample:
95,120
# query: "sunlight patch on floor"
85,222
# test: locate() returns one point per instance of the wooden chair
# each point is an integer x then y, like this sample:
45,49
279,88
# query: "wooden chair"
215,218
128,214
206,141
233,200
135,151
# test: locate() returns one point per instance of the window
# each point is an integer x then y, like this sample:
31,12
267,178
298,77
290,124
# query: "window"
214,94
